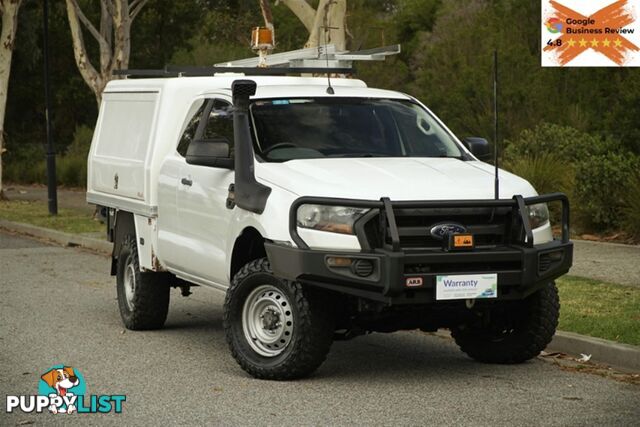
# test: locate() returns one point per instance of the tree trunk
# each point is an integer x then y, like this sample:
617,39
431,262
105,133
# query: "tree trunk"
326,24
88,72
9,10
113,36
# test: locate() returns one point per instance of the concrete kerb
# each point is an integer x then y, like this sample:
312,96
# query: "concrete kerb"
612,353
60,237
609,352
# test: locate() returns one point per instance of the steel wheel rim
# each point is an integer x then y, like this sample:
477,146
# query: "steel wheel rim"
129,285
267,321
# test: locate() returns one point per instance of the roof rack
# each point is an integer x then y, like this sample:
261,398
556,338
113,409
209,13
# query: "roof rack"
316,60
177,71
324,56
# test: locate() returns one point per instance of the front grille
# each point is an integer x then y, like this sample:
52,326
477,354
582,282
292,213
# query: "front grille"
461,268
490,227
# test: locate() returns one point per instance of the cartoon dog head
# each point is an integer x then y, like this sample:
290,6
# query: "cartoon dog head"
61,379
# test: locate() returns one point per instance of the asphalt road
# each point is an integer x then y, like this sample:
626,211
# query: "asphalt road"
609,262
58,306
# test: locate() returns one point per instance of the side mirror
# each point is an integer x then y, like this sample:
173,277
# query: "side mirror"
210,152
479,147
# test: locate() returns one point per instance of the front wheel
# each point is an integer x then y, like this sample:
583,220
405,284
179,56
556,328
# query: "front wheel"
514,332
275,329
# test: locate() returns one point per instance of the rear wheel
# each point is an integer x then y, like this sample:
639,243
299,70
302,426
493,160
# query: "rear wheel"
143,298
276,329
512,333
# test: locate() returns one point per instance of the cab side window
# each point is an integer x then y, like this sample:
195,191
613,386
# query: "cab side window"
190,130
220,123
217,128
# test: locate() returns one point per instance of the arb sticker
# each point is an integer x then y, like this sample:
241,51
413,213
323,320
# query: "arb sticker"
414,282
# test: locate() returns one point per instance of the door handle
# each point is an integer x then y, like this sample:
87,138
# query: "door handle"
186,181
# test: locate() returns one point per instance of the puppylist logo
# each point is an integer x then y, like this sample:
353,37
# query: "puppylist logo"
62,390
597,33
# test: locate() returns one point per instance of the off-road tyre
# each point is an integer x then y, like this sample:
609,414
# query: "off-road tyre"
150,295
312,332
537,320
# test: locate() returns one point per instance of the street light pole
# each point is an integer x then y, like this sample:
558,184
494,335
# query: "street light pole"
51,155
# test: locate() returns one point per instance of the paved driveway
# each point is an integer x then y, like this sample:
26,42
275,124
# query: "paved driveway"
58,306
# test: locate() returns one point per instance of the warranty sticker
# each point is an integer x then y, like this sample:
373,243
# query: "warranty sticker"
594,33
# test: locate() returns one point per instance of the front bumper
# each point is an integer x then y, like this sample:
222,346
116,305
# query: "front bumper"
521,267
521,271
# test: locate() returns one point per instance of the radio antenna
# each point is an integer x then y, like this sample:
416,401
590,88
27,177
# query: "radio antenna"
326,28
495,122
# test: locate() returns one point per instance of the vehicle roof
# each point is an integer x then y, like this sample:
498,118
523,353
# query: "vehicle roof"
268,86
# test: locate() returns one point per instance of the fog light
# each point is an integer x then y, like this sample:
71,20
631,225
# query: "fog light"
362,267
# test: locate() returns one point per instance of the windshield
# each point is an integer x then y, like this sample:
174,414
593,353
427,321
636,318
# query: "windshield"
313,128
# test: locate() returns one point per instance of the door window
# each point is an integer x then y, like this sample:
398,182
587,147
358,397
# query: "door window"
219,125
217,128
189,132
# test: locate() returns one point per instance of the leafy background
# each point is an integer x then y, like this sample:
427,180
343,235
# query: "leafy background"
567,129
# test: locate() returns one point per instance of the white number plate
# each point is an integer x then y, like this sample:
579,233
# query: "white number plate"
467,286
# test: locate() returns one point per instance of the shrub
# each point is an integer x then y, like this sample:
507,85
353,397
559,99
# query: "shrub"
81,141
631,211
72,167
545,172
602,187
25,164
564,142
72,171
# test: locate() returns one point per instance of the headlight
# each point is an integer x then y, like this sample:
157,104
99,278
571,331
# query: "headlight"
335,219
538,215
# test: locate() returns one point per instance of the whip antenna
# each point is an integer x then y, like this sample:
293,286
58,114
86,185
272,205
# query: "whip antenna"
326,28
495,122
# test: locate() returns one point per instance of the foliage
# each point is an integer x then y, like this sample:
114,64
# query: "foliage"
631,211
25,165
564,143
72,166
545,171
599,309
81,142
602,186
584,119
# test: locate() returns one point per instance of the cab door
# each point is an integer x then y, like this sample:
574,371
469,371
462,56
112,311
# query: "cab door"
201,198
171,241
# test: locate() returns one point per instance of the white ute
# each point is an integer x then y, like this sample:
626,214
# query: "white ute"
323,214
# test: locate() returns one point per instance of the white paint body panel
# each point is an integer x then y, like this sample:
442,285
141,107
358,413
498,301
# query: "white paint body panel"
147,238
396,178
189,229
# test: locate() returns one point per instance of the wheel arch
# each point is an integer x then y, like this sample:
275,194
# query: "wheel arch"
124,225
248,246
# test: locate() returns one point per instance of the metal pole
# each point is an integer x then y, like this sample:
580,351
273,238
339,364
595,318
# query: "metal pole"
51,155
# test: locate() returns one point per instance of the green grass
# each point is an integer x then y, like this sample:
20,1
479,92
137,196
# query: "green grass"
598,309
36,213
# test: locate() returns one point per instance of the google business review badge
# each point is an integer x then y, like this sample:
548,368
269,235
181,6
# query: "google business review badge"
594,33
